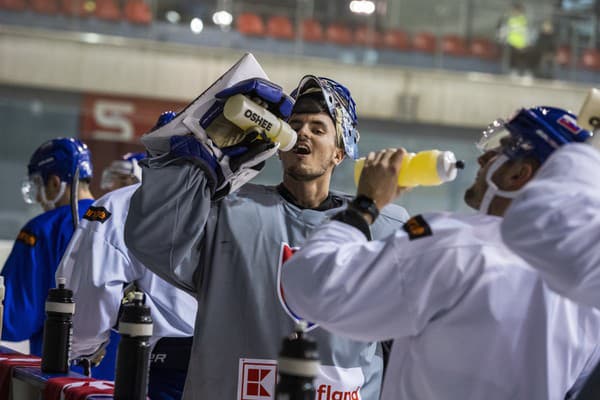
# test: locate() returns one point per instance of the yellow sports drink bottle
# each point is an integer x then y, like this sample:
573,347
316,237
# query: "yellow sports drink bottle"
426,168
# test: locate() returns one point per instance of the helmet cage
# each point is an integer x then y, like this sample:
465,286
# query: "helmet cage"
341,107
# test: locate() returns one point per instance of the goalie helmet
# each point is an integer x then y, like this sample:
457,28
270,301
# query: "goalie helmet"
340,105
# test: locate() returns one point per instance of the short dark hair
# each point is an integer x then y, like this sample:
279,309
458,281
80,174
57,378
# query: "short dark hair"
314,103
310,103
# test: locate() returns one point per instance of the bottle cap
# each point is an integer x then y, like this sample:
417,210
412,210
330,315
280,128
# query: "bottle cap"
447,167
299,355
136,311
60,294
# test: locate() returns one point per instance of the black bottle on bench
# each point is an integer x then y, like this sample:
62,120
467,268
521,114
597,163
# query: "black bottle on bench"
58,329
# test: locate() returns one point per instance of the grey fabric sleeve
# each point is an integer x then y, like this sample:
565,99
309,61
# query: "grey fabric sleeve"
166,220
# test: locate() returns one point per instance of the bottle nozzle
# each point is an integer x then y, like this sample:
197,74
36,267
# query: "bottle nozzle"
301,327
460,164
61,282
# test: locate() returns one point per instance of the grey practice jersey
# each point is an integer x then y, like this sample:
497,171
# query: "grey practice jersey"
228,255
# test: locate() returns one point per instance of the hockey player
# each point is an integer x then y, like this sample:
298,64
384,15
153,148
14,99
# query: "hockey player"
98,266
561,207
189,225
30,267
123,172
469,318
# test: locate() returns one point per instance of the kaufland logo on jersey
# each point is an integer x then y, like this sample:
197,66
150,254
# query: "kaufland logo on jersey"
326,392
257,379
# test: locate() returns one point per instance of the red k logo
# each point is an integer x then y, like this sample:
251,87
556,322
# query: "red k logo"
257,379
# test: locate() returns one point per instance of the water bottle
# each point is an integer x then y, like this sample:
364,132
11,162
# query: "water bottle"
589,114
426,168
133,353
246,114
58,329
298,365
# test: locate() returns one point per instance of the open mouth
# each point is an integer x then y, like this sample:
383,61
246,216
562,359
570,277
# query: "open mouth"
301,148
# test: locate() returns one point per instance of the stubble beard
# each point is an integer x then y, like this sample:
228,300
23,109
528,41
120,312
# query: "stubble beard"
301,175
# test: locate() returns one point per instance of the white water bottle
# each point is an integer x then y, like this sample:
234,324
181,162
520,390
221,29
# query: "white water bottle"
246,114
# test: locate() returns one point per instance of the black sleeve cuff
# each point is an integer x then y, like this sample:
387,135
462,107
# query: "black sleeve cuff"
354,218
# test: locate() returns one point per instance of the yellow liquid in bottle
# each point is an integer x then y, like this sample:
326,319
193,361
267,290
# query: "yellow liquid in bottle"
420,169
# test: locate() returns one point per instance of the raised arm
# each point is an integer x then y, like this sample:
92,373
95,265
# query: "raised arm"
376,290
554,223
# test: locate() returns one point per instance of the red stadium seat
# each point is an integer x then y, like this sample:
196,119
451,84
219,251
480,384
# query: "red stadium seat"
108,10
367,37
250,24
312,31
396,39
424,42
339,34
590,59
484,48
138,12
454,45
44,6
13,5
280,27
75,8
563,55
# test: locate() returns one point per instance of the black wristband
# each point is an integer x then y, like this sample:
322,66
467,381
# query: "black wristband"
354,218
364,204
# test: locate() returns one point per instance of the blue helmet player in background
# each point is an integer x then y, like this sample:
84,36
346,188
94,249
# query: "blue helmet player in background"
30,268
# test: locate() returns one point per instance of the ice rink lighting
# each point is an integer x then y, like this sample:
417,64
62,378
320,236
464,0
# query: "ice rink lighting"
172,16
362,6
222,18
196,25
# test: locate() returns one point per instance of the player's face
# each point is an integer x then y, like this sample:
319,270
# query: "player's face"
474,194
315,153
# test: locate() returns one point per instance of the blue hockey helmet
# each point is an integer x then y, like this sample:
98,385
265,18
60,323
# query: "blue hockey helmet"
536,132
61,157
340,105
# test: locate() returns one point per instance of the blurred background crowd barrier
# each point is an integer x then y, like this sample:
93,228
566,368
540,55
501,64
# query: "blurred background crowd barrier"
425,73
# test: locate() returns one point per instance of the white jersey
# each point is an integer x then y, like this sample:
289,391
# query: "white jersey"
561,207
469,319
97,265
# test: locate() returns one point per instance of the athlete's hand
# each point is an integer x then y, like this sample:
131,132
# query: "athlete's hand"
379,177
